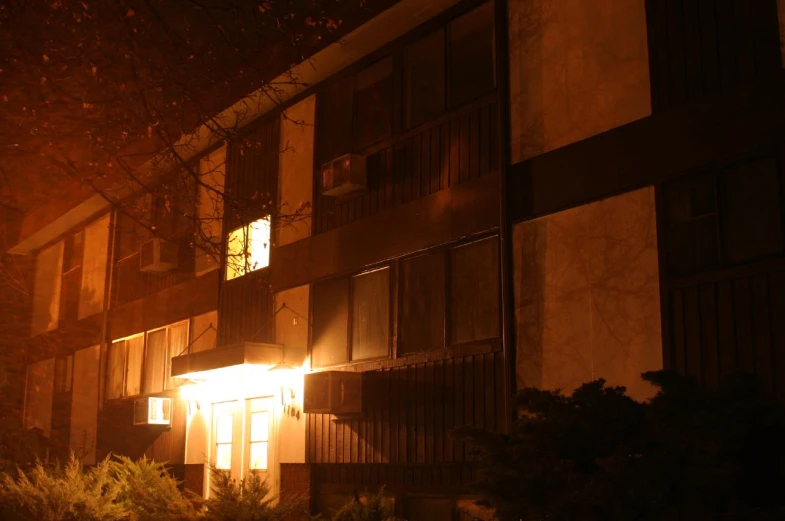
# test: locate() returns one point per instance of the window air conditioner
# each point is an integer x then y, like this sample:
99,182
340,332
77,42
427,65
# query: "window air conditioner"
333,392
158,255
343,176
153,411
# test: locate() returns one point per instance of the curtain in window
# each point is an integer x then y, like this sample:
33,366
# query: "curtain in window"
114,369
371,314
133,381
178,342
155,362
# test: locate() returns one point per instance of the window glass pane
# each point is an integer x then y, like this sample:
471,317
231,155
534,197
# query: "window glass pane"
223,428
334,115
424,79
115,367
259,244
330,322
38,396
472,68
155,362
46,289
62,379
691,213
133,377
260,426
373,103
422,304
236,248
223,456
751,223
474,312
178,344
371,314
259,455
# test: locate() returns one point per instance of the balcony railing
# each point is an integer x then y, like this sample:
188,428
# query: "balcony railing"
457,148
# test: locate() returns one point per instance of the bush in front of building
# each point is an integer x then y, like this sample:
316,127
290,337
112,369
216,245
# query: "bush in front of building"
691,452
67,493
249,499
373,507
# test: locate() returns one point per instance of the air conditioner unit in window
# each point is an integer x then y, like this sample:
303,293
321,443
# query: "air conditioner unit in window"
333,392
343,176
158,255
153,411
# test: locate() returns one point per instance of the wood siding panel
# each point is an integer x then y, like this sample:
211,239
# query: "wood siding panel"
452,152
728,321
410,412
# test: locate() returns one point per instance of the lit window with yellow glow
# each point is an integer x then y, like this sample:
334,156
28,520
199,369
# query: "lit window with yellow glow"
248,248
260,439
223,441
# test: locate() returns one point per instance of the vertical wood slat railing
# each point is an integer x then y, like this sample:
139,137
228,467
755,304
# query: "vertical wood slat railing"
727,322
410,412
457,149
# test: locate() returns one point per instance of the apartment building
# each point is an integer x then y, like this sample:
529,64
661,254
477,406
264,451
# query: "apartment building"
462,198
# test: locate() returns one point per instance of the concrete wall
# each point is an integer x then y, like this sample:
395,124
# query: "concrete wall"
577,69
587,295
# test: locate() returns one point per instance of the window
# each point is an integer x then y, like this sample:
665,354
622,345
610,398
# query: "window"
334,114
373,103
370,315
224,424
259,439
719,218
751,220
46,290
474,286
370,318
330,322
124,367
423,79
351,316
73,249
96,250
163,345
248,248
421,318
64,366
692,224
472,66
38,396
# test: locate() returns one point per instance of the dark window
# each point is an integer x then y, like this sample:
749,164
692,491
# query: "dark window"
751,217
155,361
423,79
692,224
371,314
334,106
330,322
472,67
421,323
373,100
64,366
73,251
474,286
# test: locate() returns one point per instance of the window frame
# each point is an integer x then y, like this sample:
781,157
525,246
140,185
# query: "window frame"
396,302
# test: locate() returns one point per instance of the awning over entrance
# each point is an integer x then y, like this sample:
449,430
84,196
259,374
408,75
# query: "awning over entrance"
201,365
